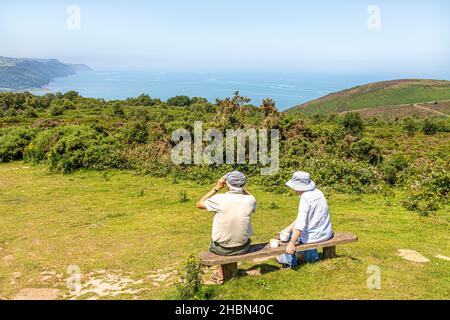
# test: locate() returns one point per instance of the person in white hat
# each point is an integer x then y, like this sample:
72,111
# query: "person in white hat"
313,221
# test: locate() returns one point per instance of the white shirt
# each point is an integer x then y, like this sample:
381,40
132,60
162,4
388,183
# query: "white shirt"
313,218
232,224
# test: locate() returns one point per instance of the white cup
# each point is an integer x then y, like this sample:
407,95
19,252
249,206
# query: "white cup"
274,243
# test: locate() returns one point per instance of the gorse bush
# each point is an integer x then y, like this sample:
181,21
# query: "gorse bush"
136,132
365,149
410,126
342,153
393,169
37,150
73,147
429,126
85,148
12,143
429,189
353,123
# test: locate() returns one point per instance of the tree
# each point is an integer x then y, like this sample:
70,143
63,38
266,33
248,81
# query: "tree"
270,113
199,100
143,100
231,109
71,95
268,107
179,101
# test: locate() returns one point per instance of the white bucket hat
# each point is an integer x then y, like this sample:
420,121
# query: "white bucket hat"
301,181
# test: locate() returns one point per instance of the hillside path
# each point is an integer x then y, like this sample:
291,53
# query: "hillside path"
430,110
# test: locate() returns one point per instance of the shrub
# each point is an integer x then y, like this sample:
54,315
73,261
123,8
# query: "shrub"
56,110
179,101
30,112
191,283
143,100
13,142
410,127
353,123
135,132
38,149
118,110
365,149
429,189
429,126
393,168
11,112
73,147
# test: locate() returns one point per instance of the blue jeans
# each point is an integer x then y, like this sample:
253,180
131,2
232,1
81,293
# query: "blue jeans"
310,256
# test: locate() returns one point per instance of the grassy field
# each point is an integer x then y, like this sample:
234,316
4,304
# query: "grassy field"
380,94
128,233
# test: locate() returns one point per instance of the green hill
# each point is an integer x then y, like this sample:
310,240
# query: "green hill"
396,97
19,74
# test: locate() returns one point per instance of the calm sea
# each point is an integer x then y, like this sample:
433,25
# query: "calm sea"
287,89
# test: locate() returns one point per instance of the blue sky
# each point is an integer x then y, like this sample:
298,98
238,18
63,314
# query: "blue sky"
294,35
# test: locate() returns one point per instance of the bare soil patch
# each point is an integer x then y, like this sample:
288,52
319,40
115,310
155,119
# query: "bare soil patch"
412,255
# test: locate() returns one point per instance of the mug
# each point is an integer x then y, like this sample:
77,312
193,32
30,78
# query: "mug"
274,243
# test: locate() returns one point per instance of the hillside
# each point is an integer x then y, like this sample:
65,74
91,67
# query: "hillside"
18,74
397,97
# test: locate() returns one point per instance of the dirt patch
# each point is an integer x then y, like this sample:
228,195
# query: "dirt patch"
14,277
50,276
8,260
412,255
162,276
37,294
440,256
101,284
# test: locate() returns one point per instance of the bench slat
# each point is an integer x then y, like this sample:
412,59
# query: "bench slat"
263,250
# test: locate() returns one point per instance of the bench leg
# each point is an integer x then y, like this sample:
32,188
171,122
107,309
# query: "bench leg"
329,252
228,270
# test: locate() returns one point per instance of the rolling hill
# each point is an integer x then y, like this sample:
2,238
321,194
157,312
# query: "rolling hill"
395,98
19,74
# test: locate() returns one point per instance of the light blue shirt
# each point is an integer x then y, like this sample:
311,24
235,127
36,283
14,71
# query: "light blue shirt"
313,218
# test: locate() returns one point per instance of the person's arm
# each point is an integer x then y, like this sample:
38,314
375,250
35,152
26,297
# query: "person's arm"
299,225
291,226
219,185
290,249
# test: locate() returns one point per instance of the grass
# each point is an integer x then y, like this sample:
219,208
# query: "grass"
379,97
134,225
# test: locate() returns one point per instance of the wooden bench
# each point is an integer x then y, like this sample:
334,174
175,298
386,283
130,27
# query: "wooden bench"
228,264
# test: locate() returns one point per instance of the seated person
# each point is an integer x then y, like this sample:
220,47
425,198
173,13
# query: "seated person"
313,221
231,229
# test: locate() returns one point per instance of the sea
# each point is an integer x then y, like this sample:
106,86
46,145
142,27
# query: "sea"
288,89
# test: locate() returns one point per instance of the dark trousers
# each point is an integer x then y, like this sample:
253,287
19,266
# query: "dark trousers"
216,248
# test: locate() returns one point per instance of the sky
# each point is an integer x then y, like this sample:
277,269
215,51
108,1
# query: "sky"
290,35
